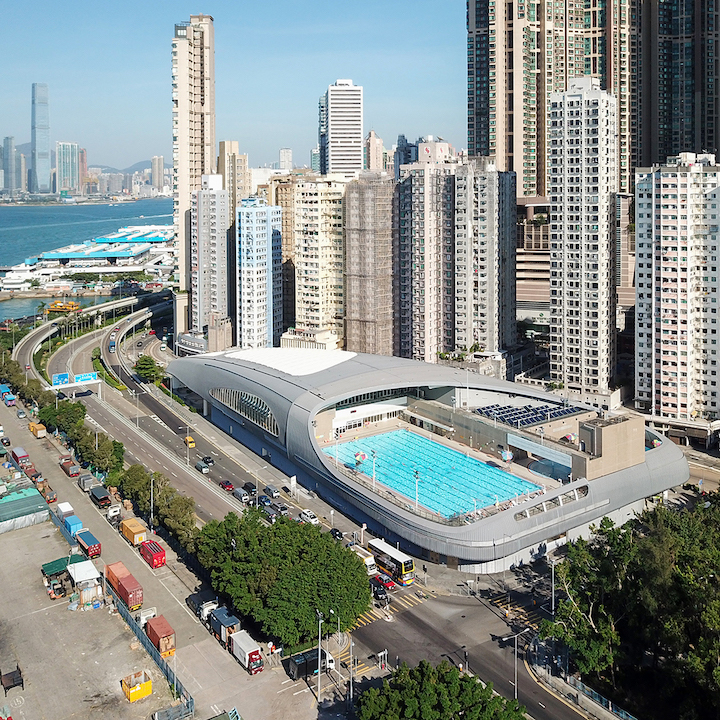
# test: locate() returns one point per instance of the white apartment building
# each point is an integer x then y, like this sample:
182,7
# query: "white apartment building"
233,166
210,220
193,99
258,280
319,252
485,231
583,181
285,160
341,129
425,289
676,328
67,166
158,172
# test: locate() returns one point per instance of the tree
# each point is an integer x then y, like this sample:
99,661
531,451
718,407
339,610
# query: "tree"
147,369
281,575
435,693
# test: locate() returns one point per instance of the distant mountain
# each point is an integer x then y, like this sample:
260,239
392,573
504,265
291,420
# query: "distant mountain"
26,150
142,165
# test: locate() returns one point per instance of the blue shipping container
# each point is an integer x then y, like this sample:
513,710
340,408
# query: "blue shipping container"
73,524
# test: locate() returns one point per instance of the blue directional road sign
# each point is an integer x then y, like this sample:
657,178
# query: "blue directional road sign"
86,377
61,379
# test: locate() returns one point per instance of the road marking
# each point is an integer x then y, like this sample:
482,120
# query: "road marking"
549,691
173,474
301,691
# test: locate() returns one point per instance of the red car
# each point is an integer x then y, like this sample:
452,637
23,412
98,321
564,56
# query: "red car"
386,582
227,485
152,332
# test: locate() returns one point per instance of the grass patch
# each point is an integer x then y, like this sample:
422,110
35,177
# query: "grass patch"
105,374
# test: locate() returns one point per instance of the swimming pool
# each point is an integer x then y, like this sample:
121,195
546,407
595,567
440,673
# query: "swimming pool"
449,483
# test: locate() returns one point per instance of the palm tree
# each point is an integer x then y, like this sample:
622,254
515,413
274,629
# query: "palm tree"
41,308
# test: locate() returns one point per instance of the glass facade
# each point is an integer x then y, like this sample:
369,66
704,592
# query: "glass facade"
40,139
251,407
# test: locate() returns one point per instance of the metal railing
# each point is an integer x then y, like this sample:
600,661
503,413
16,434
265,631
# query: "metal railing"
187,700
596,697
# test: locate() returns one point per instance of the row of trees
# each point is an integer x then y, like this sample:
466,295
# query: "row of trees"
435,693
642,612
282,574
175,512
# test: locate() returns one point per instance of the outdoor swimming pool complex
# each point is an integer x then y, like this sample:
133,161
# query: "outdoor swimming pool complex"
449,482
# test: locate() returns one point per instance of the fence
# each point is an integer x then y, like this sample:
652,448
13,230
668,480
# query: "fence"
599,699
61,525
188,703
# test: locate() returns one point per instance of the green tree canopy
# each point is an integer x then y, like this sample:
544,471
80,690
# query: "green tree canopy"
435,693
280,575
147,369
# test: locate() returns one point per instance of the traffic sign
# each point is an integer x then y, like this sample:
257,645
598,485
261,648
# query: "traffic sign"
60,379
86,377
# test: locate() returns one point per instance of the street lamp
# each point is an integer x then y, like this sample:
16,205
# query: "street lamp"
352,645
417,480
320,622
515,637
374,454
137,394
552,571
187,445
332,612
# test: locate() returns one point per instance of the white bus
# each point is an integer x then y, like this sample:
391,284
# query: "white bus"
367,557
399,566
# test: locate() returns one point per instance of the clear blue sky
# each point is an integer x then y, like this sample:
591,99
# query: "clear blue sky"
108,68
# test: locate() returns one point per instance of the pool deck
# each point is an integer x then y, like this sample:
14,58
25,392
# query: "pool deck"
519,469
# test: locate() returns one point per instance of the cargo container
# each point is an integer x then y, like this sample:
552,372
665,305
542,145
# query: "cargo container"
114,572
9,400
133,531
38,430
64,510
73,524
246,651
137,686
89,543
223,624
100,496
4,390
86,482
130,592
306,664
70,469
161,635
152,553
20,456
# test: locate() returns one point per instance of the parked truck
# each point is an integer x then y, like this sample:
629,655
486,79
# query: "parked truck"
37,429
246,651
223,624
73,524
70,468
114,514
33,473
133,531
306,664
100,496
86,482
89,543
20,456
64,510
202,604
128,589
43,487
161,635
153,553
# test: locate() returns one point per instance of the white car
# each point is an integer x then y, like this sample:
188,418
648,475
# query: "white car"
309,516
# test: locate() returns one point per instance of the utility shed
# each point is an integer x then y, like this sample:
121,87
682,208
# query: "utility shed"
60,565
22,509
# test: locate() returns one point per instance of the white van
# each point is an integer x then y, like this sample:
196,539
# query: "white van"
202,467
241,495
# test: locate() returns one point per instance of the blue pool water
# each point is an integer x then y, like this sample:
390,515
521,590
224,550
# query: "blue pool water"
449,484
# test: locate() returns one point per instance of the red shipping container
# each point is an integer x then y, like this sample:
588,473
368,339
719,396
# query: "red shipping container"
114,572
161,635
130,592
152,553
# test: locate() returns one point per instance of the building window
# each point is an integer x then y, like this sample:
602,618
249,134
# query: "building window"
249,406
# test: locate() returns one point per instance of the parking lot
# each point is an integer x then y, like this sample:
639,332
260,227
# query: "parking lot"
72,662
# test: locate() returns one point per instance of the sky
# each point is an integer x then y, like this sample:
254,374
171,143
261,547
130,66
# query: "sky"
109,72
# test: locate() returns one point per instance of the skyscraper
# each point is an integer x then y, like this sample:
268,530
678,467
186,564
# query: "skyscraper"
583,182
340,129
485,225
82,169
158,171
9,164
373,152
67,165
258,280
676,362
193,100
315,159
286,162
210,221
369,264
518,54
233,167
40,139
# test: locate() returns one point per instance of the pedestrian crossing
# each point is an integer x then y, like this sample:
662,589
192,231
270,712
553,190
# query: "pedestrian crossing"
530,616
398,604
360,668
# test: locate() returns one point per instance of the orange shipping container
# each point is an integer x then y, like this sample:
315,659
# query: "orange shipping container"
114,572
161,635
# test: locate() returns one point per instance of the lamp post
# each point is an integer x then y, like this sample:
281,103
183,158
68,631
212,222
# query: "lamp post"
515,637
352,645
187,446
374,454
552,571
320,622
152,488
417,480
337,615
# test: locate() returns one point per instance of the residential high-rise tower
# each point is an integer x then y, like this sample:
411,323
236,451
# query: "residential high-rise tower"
40,139
233,166
67,167
341,129
9,164
193,102
158,172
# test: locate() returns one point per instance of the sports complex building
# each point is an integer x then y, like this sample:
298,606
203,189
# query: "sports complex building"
458,468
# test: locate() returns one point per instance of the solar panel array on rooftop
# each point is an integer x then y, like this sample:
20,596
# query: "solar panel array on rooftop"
526,415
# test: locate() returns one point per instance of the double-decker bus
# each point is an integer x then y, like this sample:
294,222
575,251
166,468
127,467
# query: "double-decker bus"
399,566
